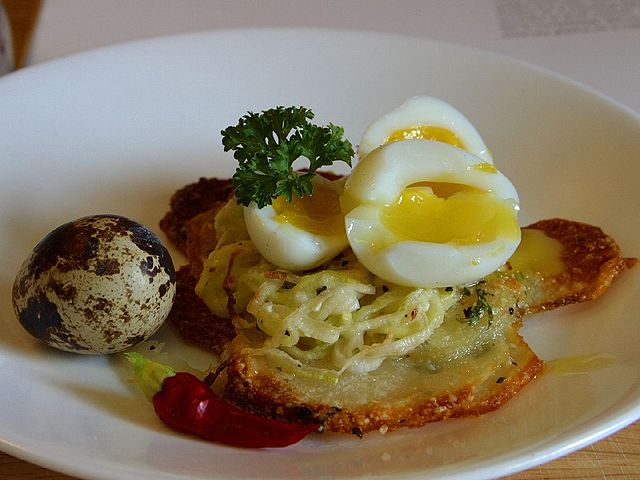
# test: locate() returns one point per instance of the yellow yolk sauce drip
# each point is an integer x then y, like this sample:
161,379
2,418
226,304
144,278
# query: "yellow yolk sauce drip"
539,253
428,132
580,364
319,213
486,167
444,215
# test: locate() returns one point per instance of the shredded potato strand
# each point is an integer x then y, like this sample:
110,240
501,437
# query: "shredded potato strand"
320,324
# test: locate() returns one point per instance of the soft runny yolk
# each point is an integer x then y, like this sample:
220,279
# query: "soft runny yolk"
450,213
318,213
444,189
427,132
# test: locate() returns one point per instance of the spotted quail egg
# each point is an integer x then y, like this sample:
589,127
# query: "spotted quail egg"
99,284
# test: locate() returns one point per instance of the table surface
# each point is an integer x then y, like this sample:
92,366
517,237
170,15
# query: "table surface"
36,25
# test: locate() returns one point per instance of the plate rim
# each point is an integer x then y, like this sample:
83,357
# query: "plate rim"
617,420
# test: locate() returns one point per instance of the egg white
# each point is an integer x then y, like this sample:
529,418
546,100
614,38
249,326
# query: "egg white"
380,178
424,111
288,246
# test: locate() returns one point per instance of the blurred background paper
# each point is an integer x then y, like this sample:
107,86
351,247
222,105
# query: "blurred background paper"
596,42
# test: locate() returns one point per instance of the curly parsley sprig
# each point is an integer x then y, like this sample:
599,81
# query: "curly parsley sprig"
267,144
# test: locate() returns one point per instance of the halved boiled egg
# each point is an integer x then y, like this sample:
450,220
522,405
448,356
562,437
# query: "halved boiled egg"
424,118
302,234
423,213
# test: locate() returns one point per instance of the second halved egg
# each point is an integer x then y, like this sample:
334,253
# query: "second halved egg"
426,118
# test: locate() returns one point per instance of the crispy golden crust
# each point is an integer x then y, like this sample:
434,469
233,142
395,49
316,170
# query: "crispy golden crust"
188,202
200,238
193,319
269,395
266,395
526,370
592,261
592,258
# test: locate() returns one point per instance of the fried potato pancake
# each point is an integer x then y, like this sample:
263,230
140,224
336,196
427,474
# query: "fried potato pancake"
401,392
592,260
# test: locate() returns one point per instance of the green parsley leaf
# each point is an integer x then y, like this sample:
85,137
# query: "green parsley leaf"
267,144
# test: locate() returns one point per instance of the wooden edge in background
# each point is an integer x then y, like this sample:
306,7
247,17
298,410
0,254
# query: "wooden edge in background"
23,17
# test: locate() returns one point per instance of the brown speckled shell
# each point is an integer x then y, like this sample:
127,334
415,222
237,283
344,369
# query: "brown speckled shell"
99,284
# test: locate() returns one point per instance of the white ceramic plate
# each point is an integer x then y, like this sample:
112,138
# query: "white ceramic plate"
119,129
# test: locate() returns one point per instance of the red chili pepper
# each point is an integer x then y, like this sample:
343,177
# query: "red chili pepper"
188,404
